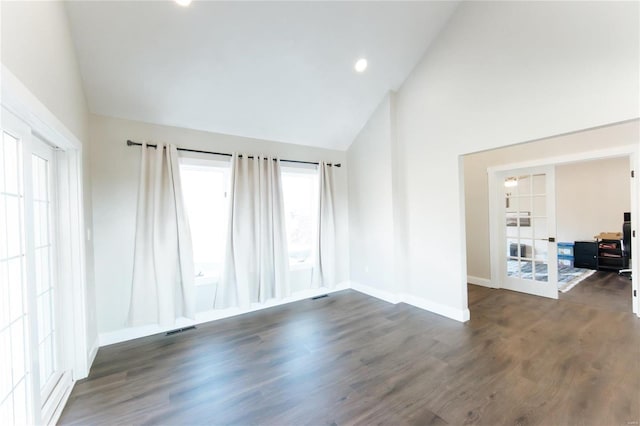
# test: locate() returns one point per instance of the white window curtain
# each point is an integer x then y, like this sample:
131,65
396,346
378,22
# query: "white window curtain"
163,276
256,264
324,274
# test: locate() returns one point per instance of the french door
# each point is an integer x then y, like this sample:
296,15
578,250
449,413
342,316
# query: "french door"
528,258
33,374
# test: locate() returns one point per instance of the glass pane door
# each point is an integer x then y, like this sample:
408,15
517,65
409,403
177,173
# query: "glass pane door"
41,197
32,380
528,226
14,349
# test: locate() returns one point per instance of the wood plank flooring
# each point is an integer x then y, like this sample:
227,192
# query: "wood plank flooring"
604,290
354,360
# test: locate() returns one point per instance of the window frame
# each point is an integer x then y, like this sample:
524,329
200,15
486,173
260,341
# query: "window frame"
207,161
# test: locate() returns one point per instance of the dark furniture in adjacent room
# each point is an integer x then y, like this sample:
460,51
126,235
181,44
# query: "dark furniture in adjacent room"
611,255
585,254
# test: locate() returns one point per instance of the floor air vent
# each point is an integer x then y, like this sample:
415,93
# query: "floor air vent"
180,330
320,297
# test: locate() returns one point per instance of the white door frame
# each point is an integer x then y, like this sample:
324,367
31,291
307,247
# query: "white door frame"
19,101
630,151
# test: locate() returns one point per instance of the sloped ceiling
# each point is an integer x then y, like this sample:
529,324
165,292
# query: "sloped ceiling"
280,71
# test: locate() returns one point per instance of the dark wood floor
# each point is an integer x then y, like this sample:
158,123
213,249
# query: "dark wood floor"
604,290
352,359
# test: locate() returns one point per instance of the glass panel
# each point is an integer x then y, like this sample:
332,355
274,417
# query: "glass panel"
541,250
513,267
40,304
512,247
14,234
40,178
6,411
510,185
540,206
17,349
539,184
300,193
3,226
5,364
540,228
43,227
37,232
15,288
524,185
204,190
542,272
526,248
11,162
511,219
525,206
2,169
4,296
42,269
526,269
20,403
35,171
525,231
511,204
512,232
46,361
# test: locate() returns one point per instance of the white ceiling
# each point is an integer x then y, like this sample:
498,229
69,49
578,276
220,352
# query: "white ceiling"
280,71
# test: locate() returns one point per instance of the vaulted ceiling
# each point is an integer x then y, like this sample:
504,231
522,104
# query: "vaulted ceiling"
280,71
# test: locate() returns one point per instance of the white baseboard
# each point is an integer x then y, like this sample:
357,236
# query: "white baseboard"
376,292
122,335
92,355
461,315
125,334
480,281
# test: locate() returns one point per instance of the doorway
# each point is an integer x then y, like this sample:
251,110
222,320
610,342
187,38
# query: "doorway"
518,247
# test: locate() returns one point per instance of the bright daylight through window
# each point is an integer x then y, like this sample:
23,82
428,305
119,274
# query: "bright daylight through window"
205,186
300,191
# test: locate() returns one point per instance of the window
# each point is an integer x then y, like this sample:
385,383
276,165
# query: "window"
205,185
300,191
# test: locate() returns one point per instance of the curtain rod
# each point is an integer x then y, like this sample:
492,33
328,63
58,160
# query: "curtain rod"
132,143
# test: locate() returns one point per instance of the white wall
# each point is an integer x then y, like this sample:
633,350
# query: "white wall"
371,224
592,197
567,202
115,169
37,48
500,73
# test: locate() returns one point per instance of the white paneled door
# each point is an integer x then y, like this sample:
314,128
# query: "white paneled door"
32,374
527,227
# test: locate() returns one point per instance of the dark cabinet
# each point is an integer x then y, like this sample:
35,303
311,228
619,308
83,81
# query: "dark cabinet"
585,254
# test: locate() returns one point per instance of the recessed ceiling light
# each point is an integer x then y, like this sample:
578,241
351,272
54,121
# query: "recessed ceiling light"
361,65
184,3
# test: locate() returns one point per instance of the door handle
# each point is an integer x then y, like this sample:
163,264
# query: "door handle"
550,239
